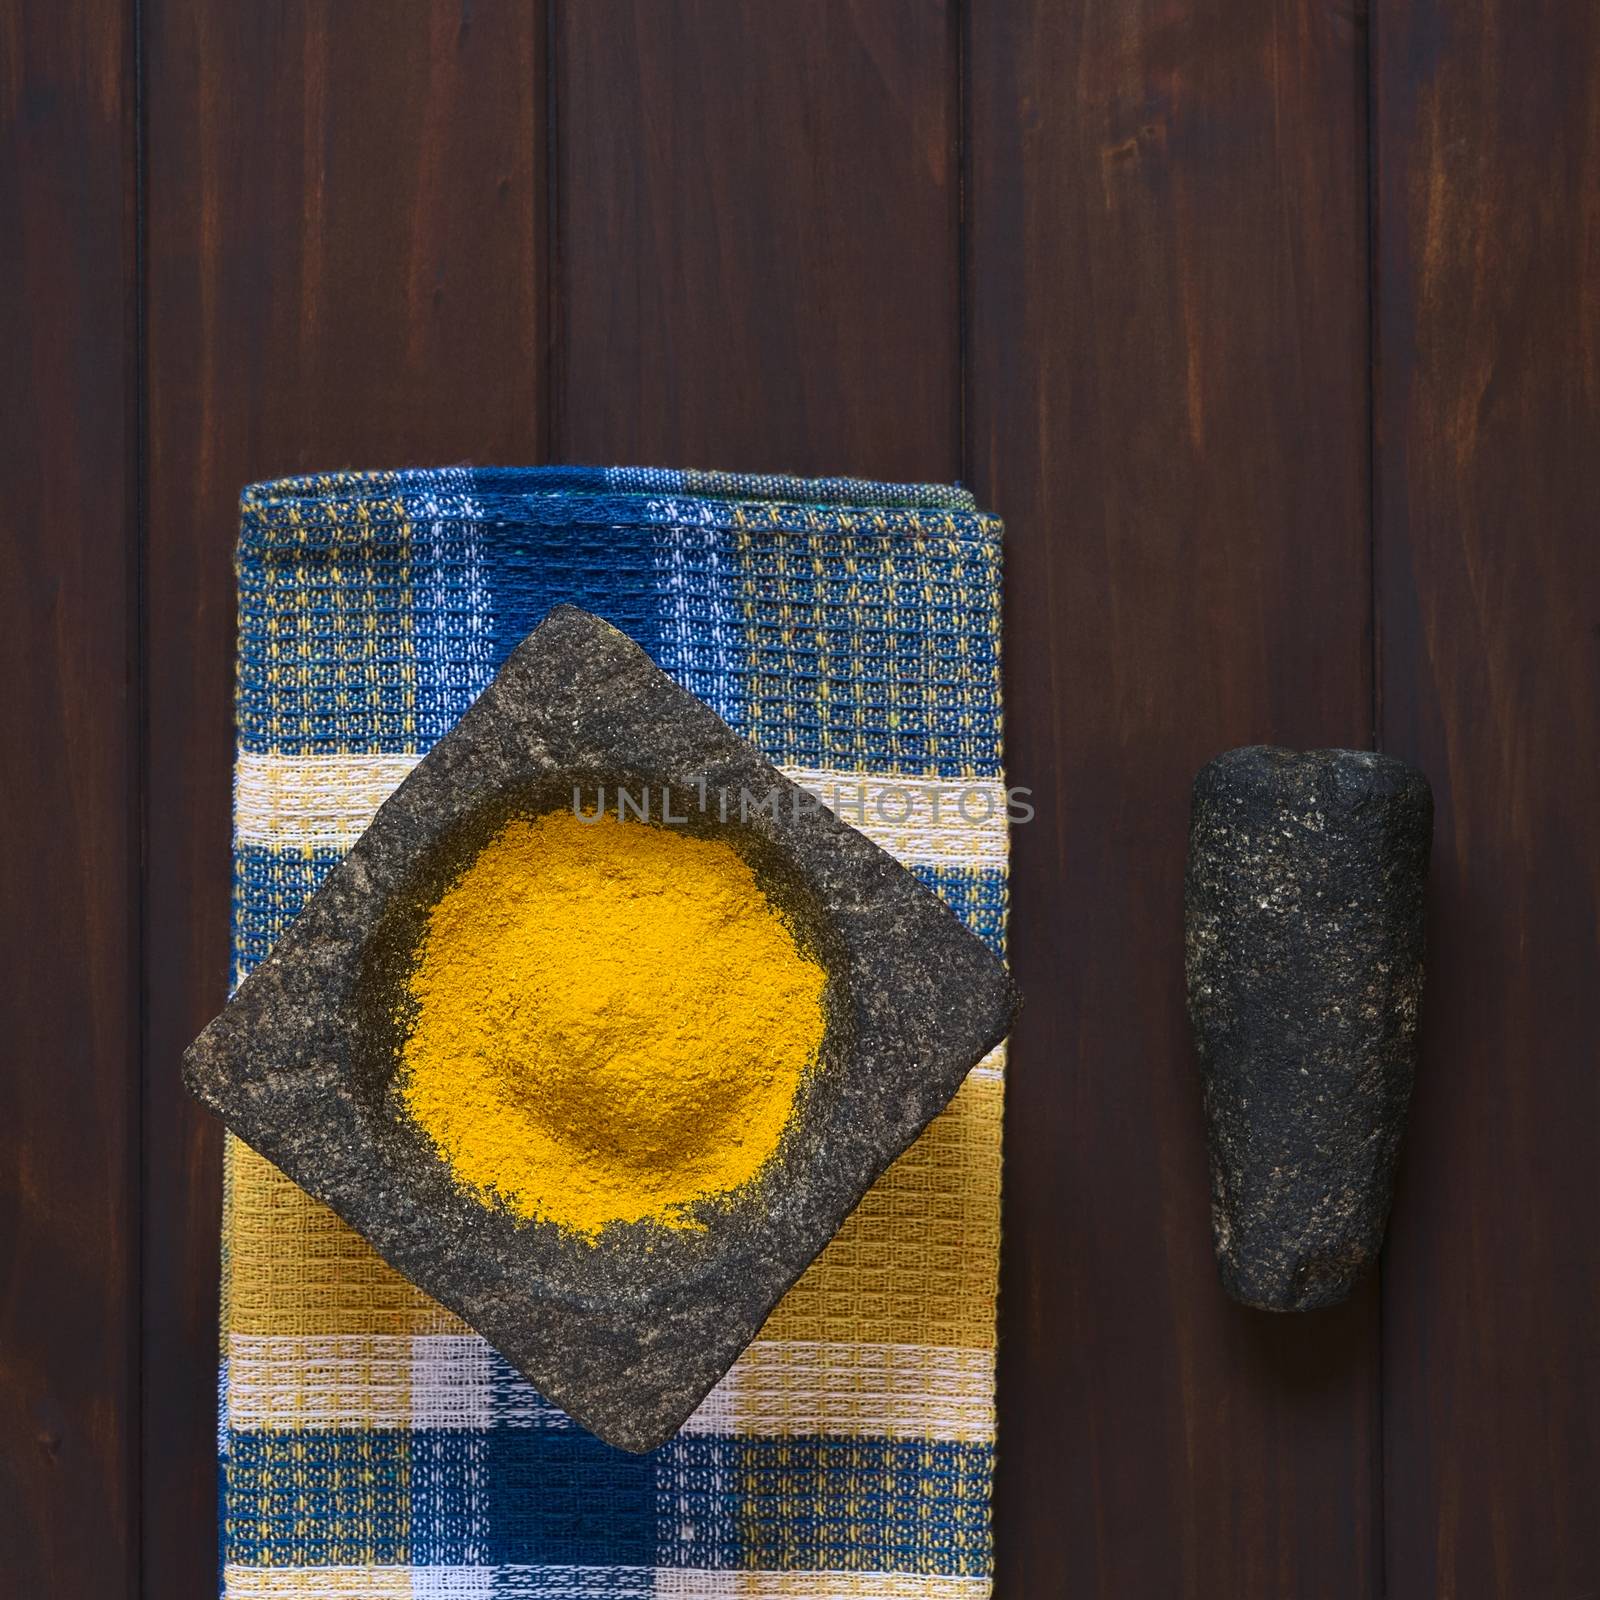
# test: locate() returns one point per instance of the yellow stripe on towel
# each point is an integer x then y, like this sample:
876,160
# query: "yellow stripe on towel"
900,1271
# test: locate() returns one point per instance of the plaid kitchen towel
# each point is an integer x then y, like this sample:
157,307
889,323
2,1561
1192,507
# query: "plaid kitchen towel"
371,1445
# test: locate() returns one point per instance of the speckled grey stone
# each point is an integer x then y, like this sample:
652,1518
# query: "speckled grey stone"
629,1334
1304,935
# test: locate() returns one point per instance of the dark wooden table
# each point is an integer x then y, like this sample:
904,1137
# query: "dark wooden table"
1272,327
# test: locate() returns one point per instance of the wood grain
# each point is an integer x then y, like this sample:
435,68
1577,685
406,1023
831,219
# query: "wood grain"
1488,186
1111,261
346,268
756,223
1168,337
69,725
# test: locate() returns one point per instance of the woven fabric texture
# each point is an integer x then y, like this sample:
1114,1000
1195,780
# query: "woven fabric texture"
372,1445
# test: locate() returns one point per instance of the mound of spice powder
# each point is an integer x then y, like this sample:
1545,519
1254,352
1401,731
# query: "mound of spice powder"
611,1022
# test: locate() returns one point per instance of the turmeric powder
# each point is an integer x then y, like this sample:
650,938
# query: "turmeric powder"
611,1022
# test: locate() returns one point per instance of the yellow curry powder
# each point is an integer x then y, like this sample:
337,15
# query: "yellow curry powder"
612,1022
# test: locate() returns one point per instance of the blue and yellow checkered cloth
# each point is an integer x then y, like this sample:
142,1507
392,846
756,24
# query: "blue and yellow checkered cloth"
371,1445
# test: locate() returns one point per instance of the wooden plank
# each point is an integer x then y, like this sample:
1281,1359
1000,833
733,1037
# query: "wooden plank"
346,268
1488,190
69,721
757,211
1168,405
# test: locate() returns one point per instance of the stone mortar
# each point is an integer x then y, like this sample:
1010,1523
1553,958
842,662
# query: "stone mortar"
629,1334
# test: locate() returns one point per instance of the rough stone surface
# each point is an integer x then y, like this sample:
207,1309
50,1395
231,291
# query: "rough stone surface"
627,1335
1304,945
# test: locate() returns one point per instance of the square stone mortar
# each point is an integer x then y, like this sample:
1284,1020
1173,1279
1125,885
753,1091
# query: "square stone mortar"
629,1333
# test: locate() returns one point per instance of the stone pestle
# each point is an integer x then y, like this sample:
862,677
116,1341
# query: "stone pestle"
1304,956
